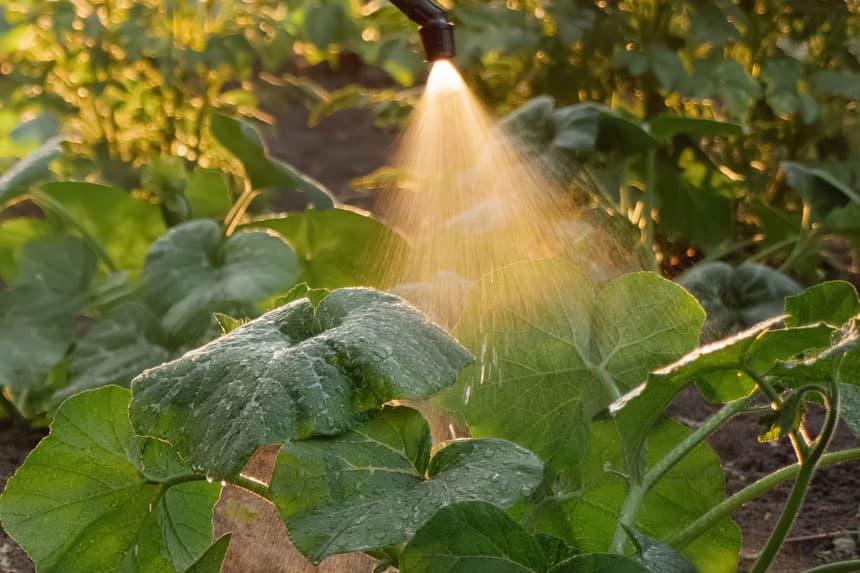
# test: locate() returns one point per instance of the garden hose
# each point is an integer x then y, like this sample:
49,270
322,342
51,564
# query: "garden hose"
437,33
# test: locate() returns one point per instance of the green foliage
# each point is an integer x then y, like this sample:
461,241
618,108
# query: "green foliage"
194,270
301,371
123,502
565,357
336,248
374,486
472,536
737,298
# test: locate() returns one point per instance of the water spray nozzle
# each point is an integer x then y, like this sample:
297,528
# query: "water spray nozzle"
437,33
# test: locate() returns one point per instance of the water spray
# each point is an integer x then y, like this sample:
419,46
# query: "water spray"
437,33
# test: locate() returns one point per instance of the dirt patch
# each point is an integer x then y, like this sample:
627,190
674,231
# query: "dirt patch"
831,513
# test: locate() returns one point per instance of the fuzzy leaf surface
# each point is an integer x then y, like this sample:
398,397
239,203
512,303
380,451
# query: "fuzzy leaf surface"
374,486
297,371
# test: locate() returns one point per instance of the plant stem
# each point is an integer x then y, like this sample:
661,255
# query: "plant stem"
751,492
801,484
636,493
839,567
182,479
253,486
14,414
648,203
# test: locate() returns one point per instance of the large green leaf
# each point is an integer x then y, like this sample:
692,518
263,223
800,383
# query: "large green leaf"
374,486
37,314
264,172
666,127
736,298
93,496
29,170
557,354
295,372
850,407
585,511
194,271
115,350
124,226
599,563
14,234
336,248
472,537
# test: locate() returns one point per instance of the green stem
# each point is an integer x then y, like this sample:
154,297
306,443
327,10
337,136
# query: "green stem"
801,448
648,203
636,493
751,492
176,480
253,486
801,484
839,567
774,248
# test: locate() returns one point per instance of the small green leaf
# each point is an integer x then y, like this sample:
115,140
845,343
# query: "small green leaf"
302,290
374,486
194,271
264,172
337,248
208,192
93,496
210,562
833,302
821,189
227,323
472,536
123,225
29,170
784,421
295,372
657,556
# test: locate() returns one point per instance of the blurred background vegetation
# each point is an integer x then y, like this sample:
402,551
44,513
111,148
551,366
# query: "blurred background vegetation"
733,122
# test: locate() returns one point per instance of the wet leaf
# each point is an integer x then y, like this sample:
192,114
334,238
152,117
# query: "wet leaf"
558,353
93,496
295,372
472,536
374,486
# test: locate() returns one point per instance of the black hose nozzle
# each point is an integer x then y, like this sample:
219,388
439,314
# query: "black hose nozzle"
437,33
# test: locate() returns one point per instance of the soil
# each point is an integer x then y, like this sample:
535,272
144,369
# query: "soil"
347,146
